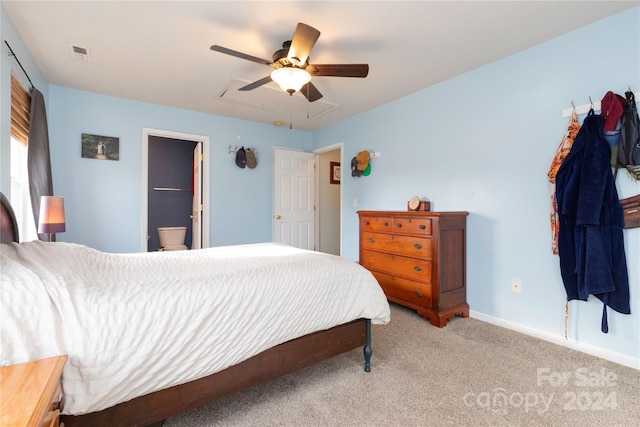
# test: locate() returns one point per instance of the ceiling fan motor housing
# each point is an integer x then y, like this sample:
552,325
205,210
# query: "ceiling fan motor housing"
280,57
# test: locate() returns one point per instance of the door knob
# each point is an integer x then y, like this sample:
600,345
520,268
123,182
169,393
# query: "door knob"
278,217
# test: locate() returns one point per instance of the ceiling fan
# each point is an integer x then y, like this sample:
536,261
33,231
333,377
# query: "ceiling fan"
292,70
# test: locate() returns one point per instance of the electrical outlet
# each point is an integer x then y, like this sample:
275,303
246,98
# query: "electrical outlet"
516,286
355,203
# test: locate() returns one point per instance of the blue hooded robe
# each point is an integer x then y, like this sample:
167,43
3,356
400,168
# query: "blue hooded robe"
590,240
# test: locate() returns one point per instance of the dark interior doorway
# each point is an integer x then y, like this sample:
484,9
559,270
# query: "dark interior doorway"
170,187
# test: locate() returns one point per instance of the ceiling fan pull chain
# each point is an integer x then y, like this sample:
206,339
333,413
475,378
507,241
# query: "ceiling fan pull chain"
290,111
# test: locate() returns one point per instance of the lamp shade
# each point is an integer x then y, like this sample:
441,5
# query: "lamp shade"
51,219
290,79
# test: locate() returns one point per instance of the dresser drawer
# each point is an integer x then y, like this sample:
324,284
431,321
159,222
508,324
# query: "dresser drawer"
412,226
376,223
51,419
419,247
409,268
405,290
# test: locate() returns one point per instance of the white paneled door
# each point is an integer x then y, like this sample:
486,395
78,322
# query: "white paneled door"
293,200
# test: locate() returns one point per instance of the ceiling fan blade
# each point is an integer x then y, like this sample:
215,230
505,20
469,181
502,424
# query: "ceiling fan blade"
302,42
338,70
310,92
258,83
237,54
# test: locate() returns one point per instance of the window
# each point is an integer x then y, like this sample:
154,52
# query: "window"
20,200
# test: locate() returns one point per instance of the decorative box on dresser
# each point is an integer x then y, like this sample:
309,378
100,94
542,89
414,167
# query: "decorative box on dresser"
419,259
30,393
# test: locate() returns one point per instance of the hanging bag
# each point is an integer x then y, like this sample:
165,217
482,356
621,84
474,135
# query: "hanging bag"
629,147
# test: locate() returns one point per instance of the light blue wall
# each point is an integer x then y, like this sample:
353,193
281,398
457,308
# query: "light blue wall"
103,198
483,142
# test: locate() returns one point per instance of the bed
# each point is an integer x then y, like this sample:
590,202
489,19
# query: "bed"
151,335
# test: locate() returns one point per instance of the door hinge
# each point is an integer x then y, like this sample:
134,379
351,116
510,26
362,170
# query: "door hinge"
200,207
201,157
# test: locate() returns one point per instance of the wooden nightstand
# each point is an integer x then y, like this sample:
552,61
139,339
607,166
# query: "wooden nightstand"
30,393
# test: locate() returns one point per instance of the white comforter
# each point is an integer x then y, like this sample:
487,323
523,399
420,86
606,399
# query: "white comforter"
135,323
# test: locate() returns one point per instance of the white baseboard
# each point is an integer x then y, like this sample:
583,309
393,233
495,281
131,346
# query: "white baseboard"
611,356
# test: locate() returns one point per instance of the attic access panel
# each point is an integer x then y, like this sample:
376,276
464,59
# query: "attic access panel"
271,98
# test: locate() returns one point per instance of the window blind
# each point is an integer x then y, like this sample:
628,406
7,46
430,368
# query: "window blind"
20,105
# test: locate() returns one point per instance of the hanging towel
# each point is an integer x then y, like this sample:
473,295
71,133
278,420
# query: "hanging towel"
561,154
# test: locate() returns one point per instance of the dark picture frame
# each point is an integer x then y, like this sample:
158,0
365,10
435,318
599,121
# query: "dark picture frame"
334,173
100,147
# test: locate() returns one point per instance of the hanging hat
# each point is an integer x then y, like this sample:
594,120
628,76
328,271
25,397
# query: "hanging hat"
363,160
241,158
354,167
252,158
611,107
367,170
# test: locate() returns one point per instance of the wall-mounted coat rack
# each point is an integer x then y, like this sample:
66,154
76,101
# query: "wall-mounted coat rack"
584,108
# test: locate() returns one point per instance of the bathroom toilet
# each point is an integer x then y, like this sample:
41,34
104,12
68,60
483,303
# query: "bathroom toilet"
172,238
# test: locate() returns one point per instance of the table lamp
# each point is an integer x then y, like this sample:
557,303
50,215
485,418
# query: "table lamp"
51,218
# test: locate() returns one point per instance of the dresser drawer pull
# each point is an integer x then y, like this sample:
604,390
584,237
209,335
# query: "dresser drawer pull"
399,225
417,268
385,223
417,246
371,240
418,294
366,223
422,226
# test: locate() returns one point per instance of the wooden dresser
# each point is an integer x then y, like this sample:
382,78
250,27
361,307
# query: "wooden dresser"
419,259
30,393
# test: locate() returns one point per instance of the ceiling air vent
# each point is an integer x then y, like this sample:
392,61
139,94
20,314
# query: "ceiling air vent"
79,53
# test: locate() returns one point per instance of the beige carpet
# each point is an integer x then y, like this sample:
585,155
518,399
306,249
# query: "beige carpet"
469,373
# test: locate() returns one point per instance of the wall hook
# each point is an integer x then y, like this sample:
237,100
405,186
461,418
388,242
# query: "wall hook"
591,102
232,150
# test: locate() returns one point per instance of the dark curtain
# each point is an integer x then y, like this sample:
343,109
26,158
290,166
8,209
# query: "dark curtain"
38,159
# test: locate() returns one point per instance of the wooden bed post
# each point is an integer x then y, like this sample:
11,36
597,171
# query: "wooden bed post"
367,347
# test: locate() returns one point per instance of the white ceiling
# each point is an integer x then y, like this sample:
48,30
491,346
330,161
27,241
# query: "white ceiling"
159,51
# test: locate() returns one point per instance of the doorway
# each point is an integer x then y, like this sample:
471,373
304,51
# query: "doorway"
170,189
328,195
175,182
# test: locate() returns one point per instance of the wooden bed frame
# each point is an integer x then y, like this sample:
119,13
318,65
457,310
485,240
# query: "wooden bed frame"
154,408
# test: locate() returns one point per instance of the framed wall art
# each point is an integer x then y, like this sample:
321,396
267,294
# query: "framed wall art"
334,173
100,147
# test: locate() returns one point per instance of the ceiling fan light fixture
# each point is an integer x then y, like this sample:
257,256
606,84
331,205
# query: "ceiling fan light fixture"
290,79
